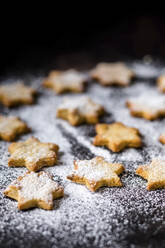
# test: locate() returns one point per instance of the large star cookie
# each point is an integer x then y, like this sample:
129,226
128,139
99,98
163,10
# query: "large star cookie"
34,190
96,173
33,154
161,83
63,81
117,136
147,107
112,74
79,110
11,127
15,94
154,173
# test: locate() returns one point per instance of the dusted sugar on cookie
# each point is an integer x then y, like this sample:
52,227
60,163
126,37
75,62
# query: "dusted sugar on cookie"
161,83
117,136
34,190
154,173
112,74
96,173
16,94
80,110
63,81
32,154
149,107
11,127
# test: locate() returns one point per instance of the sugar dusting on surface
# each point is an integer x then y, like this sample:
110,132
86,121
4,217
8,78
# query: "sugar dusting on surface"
112,217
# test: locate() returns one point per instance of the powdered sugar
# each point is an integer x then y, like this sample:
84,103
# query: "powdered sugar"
70,78
112,217
32,151
35,186
83,104
112,73
156,170
10,125
147,69
20,91
150,101
95,170
7,123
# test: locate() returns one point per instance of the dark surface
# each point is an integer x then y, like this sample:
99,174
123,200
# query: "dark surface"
82,38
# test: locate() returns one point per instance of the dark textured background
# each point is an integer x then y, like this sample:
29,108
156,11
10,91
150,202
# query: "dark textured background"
40,41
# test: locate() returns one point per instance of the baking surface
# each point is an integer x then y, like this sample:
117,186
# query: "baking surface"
112,217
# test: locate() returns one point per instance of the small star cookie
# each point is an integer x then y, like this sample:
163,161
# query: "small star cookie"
162,138
149,108
10,127
79,110
63,81
16,94
117,136
34,190
154,173
33,154
112,74
161,83
96,173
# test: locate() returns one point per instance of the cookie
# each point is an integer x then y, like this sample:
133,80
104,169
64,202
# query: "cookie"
154,173
147,107
32,154
117,136
16,94
11,127
161,83
34,190
80,110
162,138
112,74
64,81
96,173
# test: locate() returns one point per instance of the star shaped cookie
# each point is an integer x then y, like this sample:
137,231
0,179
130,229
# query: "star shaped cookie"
34,190
64,81
161,83
154,173
33,154
162,138
80,110
96,173
117,136
11,127
112,74
147,107
16,94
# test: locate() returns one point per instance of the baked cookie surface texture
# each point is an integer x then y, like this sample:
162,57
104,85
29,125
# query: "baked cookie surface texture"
117,136
34,190
96,173
32,154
